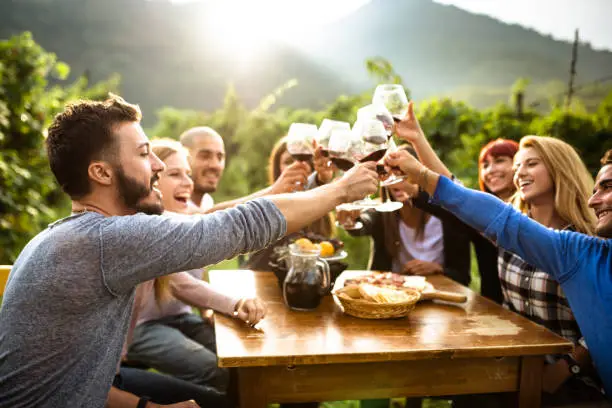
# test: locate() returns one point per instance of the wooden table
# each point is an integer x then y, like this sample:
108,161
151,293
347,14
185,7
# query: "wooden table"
325,355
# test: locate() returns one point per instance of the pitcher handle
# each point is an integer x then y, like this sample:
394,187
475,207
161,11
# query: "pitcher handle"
326,284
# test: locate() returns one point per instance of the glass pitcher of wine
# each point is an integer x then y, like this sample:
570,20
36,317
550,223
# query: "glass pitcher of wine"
307,280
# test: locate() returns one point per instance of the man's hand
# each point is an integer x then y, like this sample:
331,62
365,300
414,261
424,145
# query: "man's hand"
323,166
359,182
409,129
347,217
423,268
404,162
294,178
251,311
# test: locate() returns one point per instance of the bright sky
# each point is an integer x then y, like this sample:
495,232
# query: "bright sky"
556,17
287,19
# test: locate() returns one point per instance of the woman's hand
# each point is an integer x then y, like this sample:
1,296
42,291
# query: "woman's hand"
409,129
404,162
323,166
250,310
422,268
347,218
294,178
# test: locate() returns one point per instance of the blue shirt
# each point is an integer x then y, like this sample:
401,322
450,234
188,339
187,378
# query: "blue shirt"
582,264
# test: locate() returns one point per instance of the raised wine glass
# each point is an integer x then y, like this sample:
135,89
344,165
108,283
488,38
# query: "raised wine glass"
371,145
339,146
300,141
392,178
393,96
325,131
380,112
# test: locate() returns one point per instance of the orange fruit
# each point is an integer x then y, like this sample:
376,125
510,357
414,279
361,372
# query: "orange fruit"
305,244
327,249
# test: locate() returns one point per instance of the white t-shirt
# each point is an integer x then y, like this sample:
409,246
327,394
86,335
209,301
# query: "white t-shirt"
206,204
429,248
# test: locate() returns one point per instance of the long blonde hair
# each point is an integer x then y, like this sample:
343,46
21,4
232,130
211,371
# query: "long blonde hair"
572,181
164,148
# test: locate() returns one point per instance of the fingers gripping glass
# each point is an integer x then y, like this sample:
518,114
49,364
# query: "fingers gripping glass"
300,142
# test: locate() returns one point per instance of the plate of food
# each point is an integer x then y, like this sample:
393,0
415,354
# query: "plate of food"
331,249
399,282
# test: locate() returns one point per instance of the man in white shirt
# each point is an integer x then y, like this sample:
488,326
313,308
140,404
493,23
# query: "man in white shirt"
207,152
207,159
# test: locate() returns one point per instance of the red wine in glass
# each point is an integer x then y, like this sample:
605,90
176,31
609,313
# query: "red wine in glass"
342,164
375,139
374,156
380,169
303,157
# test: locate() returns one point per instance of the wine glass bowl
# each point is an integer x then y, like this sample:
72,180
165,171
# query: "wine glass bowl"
379,112
393,97
325,131
300,141
339,147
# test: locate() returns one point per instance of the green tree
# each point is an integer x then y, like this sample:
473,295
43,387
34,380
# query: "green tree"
29,196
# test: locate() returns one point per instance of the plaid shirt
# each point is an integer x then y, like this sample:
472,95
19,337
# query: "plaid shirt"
535,295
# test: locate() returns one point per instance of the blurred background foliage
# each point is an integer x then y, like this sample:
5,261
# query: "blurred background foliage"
33,88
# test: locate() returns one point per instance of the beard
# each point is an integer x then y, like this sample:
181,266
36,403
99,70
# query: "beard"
204,187
134,192
605,231
207,189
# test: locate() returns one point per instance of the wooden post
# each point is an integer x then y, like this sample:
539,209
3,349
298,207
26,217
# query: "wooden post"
570,85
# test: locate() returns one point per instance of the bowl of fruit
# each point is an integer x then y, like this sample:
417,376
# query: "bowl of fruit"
331,250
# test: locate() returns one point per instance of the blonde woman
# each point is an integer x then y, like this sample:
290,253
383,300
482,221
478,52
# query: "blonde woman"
169,336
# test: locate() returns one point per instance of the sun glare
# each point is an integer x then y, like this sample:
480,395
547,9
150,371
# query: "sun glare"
243,27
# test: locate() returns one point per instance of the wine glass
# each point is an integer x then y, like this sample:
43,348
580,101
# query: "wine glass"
370,139
373,134
300,141
389,205
393,96
339,147
392,178
380,112
325,131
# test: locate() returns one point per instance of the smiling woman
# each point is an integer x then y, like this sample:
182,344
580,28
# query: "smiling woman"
175,181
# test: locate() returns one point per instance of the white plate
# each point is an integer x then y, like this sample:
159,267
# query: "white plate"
336,257
358,225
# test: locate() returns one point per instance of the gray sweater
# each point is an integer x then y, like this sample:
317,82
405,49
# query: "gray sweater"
69,296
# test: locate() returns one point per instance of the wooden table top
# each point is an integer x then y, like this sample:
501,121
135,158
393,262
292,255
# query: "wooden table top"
477,328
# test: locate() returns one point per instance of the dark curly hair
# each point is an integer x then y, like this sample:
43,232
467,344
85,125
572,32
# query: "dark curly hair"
84,132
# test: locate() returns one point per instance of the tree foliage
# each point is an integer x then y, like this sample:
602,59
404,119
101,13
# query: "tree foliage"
29,196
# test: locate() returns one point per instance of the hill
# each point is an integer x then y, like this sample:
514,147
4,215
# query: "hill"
167,53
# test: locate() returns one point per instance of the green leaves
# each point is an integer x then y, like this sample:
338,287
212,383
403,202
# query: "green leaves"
29,196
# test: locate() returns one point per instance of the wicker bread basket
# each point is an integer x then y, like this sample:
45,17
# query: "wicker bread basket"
366,309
